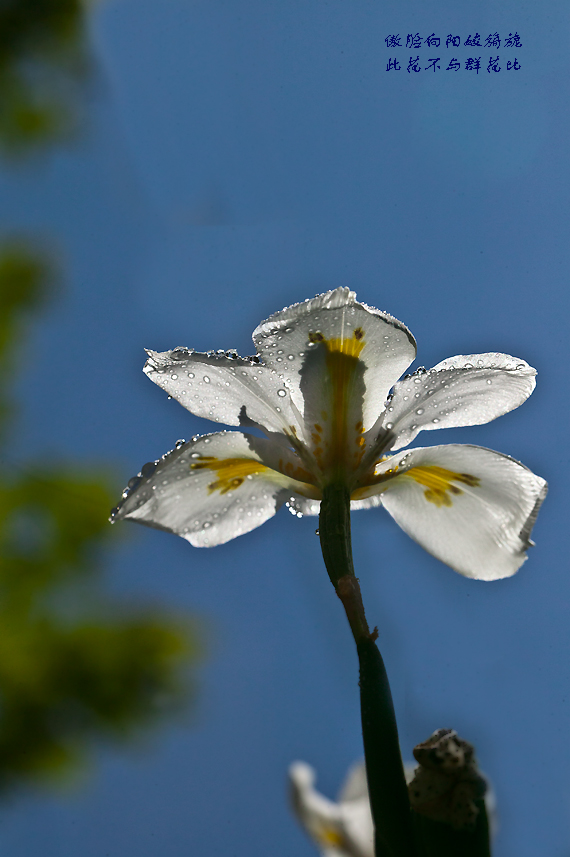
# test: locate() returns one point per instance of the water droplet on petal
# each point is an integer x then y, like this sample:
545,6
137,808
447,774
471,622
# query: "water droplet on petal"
281,393
206,379
419,411
148,469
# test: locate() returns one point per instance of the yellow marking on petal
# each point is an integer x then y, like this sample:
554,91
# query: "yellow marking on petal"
295,471
330,836
438,482
231,472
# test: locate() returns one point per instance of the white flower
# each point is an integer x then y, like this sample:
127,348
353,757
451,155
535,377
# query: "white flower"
319,390
342,829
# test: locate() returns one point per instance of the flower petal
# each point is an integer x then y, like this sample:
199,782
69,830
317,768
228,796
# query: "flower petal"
319,816
209,490
470,507
343,829
467,390
382,343
235,391
302,505
355,786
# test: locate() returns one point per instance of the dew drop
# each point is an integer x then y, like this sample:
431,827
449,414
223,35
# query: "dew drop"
419,411
206,379
148,469
489,381
281,393
435,420
174,377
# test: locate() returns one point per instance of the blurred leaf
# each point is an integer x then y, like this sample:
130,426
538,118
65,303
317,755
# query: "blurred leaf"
72,677
76,666
26,281
42,58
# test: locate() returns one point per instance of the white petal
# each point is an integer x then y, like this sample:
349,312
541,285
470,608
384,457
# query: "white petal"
209,490
319,816
355,785
358,826
470,507
234,391
300,505
466,390
342,829
284,344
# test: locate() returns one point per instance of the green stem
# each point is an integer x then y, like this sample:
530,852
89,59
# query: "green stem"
386,782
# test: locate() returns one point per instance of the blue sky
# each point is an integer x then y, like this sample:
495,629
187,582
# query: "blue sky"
241,156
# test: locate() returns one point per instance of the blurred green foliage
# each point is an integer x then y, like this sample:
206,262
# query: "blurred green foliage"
75,665
27,277
42,60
